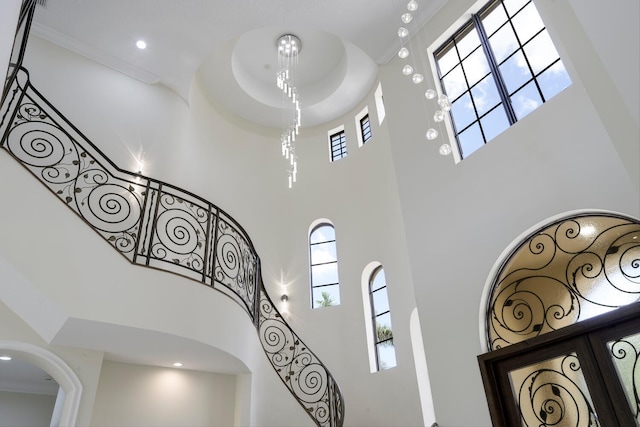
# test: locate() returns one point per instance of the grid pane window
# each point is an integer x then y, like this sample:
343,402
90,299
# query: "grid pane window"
338,145
382,330
325,286
496,69
365,128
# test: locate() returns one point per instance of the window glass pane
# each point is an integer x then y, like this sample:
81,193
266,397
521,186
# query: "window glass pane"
515,72
467,42
513,6
447,60
324,274
553,392
380,301
323,252
493,18
386,355
463,112
326,296
379,280
553,80
485,95
323,233
470,140
494,123
384,321
527,23
625,355
503,43
454,83
526,100
541,52
475,67
365,127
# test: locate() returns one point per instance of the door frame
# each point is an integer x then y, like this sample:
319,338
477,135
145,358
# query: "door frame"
588,338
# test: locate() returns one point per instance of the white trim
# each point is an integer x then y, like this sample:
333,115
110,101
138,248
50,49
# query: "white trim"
484,299
422,372
380,109
57,368
368,316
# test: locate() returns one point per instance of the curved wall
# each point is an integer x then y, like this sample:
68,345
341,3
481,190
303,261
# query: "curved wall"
239,167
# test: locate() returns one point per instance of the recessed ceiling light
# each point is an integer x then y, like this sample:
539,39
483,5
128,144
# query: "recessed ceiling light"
5,358
177,364
141,44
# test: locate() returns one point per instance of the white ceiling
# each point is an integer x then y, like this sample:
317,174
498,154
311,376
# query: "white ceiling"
230,43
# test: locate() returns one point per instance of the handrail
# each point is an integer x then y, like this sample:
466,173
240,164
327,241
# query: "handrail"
157,225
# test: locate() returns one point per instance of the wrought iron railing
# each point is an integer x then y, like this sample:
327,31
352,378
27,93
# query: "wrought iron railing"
157,225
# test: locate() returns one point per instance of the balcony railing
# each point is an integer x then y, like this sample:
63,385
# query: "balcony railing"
155,224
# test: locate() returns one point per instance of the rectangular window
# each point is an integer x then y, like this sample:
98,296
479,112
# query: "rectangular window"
338,143
496,69
365,128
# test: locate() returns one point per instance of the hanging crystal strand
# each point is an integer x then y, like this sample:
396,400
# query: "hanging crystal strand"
288,49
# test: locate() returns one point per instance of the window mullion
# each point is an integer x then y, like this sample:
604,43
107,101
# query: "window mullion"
493,65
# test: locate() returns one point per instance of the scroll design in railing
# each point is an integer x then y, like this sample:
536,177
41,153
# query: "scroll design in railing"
563,273
298,367
157,225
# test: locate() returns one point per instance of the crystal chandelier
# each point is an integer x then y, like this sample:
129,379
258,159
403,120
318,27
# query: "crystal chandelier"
288,49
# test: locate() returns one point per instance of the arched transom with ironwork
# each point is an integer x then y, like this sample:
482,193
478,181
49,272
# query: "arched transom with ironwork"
565,272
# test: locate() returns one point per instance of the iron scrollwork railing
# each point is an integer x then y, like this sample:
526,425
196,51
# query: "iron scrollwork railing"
155,224
563,273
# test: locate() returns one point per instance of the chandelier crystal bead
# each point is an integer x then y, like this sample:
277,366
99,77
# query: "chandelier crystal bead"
407,70
445,149
431,134
412,6
417,78
403,32
430,94
406,17
403,53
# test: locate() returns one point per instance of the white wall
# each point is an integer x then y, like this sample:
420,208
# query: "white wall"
459,218
436,227
25,409
239,167
10,9
135,395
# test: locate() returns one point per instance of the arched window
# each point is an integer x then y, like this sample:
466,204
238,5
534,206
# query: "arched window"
325,286
381,320
562,358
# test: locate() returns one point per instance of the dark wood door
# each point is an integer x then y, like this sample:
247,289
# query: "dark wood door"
586,374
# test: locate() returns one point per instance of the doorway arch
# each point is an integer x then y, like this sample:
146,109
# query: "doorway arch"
57,368
563,270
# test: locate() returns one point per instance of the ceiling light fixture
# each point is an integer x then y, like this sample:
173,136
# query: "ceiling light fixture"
177,364
5,358
289,47
141,44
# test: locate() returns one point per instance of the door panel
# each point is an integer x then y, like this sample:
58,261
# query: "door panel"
585,374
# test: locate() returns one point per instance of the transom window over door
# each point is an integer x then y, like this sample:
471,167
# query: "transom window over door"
325,285
559,355
496,69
